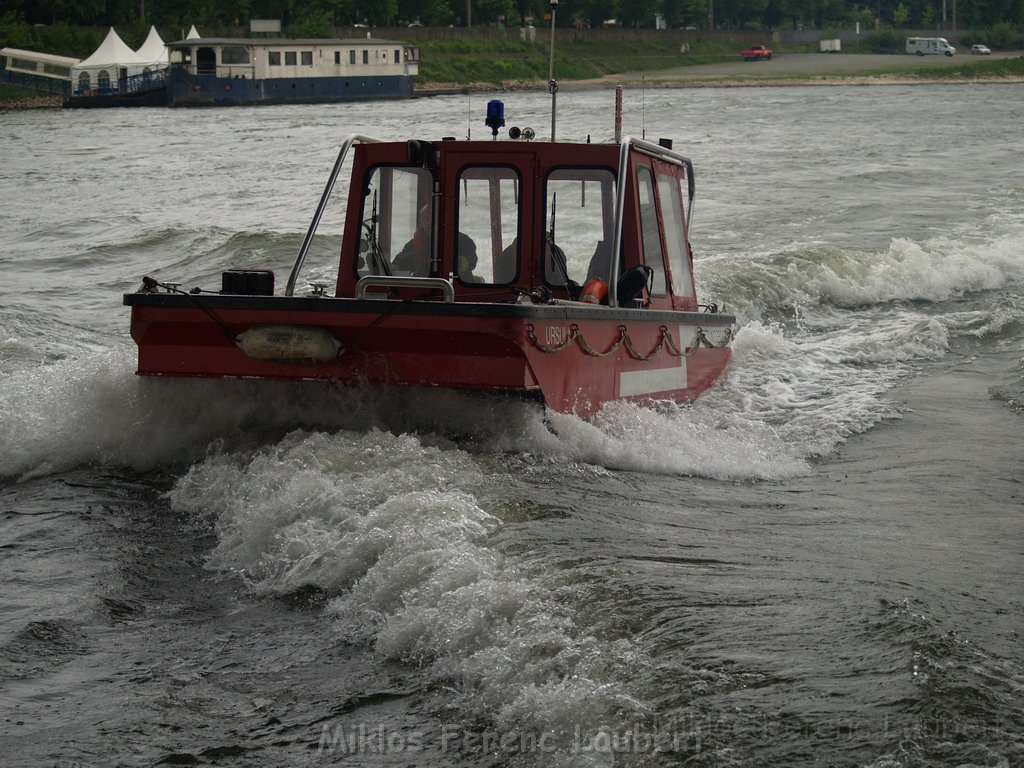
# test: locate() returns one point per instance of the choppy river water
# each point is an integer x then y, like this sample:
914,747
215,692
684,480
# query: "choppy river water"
819,563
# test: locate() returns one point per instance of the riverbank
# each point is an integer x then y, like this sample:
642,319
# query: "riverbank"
795,69
30,102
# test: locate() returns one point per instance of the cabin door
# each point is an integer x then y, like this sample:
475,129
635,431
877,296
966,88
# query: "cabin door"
206,61
487,218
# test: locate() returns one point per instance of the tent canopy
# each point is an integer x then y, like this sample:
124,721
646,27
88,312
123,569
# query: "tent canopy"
153,52
112,51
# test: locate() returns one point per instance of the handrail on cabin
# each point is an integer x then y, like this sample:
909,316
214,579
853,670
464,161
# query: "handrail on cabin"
307,241
402,281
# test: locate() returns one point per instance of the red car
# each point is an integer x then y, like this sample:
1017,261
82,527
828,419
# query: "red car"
756,53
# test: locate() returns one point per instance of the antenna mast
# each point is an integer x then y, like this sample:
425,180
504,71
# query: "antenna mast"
552,83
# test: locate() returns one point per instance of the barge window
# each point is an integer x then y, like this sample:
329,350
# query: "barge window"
366,57
675,234
289,58
650,231
397,222
307,58
274,58
487,220
234,54
351,57
578,218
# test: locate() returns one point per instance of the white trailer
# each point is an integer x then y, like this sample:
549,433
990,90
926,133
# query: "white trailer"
923,46
831,46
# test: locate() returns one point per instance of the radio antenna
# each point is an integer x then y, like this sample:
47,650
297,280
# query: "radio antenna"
552,83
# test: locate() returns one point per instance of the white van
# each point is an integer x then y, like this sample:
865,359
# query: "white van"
923,45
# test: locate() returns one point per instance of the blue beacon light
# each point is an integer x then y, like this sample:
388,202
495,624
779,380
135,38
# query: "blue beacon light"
495,116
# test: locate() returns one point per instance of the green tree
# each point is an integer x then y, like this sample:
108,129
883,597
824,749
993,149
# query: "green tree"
84,12
900,16
488,11
638,13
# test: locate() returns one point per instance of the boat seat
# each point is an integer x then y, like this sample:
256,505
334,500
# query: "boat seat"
632,284
601,262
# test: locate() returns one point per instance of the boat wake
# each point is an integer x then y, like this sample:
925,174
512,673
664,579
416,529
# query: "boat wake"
94,410
401,535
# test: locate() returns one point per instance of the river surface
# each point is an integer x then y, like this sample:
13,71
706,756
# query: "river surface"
821,563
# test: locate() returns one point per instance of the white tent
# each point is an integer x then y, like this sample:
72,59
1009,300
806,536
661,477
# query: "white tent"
193,34
108,66
154,51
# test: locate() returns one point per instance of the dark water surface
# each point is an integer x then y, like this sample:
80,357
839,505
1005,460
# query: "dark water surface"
821,563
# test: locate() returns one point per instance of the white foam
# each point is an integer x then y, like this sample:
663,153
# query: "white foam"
816,390
396,529
934,270
93,409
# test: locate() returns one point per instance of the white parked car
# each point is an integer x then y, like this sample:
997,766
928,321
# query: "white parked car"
981,50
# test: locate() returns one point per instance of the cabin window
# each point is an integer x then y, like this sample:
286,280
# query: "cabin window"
307,58
487,221
274,58
290,58
337,57
366,57
234,54
398,56
675,234
578,219
397,217
103,79
351,57
84,83
650,231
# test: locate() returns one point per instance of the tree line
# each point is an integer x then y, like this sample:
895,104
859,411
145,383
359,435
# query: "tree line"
303,18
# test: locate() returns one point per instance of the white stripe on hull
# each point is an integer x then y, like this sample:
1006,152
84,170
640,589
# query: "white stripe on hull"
655,380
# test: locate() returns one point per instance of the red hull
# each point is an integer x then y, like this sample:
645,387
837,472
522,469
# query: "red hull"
555,353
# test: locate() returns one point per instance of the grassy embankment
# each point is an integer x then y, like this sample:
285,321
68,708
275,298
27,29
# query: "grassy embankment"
969,69
513,61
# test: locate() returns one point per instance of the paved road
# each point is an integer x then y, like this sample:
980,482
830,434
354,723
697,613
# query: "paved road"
808,64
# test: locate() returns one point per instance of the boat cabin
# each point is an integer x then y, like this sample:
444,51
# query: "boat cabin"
488,221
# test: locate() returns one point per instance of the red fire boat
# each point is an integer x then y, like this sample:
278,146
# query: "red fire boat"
558,271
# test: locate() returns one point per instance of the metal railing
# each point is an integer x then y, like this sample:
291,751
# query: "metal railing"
332,179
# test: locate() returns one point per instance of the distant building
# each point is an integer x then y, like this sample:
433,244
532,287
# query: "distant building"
37,71
212,71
